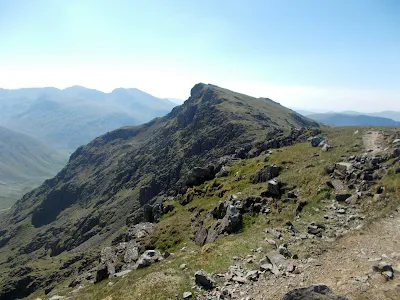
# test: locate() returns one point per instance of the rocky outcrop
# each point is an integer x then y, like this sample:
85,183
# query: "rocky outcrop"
316,141
226,218
314,292
267,173
124,254
147,258
199,175
203,280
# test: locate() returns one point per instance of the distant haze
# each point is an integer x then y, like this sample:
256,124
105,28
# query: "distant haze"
331,55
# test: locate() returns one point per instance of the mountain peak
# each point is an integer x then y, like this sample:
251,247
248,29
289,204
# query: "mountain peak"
119,178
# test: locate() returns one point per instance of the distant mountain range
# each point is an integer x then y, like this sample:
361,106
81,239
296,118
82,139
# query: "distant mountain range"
337,119
354,118
24,164
66,119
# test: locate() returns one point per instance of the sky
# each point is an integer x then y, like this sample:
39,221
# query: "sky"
310,54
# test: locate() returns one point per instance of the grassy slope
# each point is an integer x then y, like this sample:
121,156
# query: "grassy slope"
166,279
24,164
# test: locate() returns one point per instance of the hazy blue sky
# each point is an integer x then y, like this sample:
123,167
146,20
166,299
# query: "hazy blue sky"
338,54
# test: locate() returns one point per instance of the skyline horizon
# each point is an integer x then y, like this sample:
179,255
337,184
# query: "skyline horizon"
180,101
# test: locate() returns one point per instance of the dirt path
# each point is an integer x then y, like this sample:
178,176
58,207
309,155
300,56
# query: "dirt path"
347,266
373,141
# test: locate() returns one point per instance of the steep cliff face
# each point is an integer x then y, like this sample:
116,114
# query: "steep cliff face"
112,180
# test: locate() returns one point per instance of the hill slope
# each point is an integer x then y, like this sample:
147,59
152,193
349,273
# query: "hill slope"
24,163
114,180
72,117
339,119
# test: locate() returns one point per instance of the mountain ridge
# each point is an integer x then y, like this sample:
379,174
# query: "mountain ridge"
118,178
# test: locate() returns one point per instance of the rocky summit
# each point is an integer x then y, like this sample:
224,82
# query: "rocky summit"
226,197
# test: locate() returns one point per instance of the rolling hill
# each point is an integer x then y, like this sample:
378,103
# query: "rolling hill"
66,119
24,164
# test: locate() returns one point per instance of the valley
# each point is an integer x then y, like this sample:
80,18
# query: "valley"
24,164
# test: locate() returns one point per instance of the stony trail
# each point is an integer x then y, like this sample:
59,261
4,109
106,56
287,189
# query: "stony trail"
347,266
373,141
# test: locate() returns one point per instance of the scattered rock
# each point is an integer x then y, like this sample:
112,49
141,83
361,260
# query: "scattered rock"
203,280
375,259
101,273
186,199
326,147
316,141
223,172
199,175
122,273
274,189
396,152
187,295
342,197
228,220
267,173
241,280
314,292
147,258
385,269
57,298
343,169
299,207
316,229
272,242
284,251
330,184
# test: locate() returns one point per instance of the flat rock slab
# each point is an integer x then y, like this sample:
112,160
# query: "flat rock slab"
314,292
122,273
